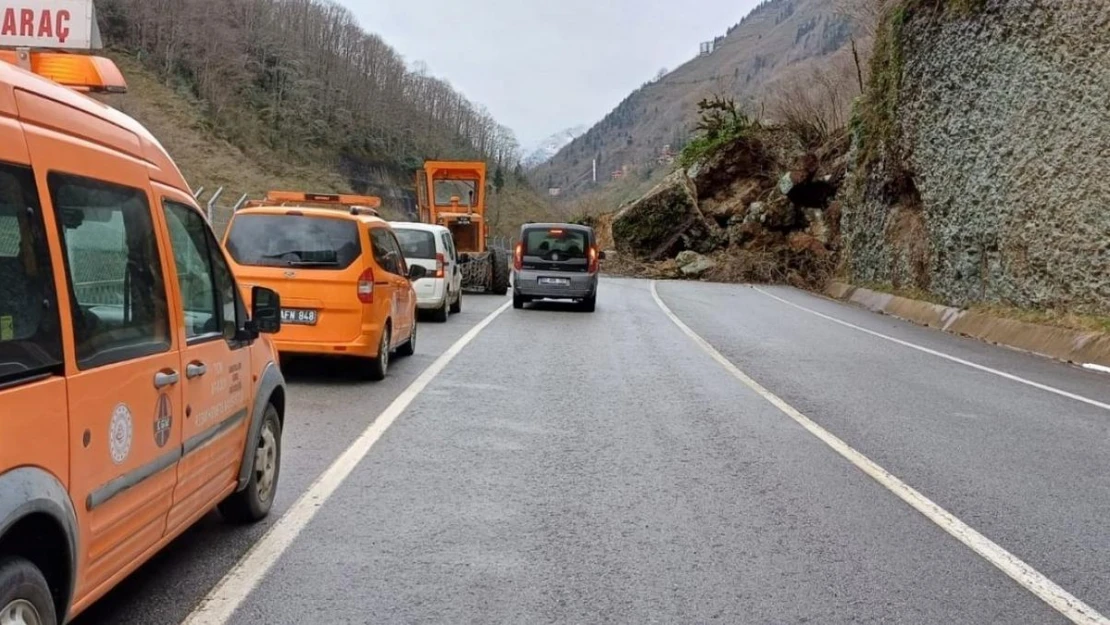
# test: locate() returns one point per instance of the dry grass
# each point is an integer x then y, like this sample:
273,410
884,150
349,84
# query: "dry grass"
815,103
179,123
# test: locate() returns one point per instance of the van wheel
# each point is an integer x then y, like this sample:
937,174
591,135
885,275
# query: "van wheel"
589,304
456,306
439,315
24,594
409,348
253,503
374,369
518,301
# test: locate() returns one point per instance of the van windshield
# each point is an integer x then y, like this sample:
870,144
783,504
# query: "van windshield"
30,334
293,241
416,243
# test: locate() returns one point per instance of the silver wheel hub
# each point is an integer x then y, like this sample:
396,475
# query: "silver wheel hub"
384,349
20,612
265,464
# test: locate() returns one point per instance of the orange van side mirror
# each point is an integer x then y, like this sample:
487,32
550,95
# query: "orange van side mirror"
265,312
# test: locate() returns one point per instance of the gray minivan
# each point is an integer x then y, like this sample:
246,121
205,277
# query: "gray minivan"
556,261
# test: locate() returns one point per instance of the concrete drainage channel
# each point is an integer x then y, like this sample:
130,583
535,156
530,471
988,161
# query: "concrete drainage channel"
1090,350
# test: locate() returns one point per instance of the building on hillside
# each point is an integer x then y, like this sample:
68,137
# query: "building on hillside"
554,191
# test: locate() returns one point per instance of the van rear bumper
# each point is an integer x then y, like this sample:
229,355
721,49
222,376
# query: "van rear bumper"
527,284
365,346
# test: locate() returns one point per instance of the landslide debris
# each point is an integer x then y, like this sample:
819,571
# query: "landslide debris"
761,208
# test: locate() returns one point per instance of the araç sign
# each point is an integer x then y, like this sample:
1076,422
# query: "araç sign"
52,24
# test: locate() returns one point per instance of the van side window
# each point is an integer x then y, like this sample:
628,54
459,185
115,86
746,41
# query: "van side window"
402,264
30,330
208,294
116,285
450,249
386,254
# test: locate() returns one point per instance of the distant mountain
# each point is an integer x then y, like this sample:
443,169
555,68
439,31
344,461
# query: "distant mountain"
778,43
550,146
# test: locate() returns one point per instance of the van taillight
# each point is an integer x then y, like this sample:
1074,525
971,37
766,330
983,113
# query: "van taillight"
441,262
593,259
518,257
366,287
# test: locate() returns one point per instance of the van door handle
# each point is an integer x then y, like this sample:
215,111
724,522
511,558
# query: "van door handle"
162,379
195,370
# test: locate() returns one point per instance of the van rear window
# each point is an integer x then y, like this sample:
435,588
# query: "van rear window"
416,243
545,243
30,333
294,241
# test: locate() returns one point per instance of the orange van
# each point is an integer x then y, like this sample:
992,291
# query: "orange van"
345,286
136,394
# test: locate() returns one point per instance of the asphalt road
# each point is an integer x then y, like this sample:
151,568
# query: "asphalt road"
571,467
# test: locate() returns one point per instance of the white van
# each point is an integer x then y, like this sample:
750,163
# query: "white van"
433,248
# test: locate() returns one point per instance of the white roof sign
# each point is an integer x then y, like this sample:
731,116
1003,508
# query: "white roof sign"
50,24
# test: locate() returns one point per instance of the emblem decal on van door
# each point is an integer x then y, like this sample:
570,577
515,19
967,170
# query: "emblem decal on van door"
119,434
163,420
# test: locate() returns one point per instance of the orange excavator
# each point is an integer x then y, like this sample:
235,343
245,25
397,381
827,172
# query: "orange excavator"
453,194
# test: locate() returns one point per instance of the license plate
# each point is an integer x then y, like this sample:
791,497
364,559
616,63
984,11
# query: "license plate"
464,221
298,316
555,281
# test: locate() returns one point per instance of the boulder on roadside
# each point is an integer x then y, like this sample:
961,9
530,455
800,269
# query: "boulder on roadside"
778,214
745,158
694,265
734,201
665,220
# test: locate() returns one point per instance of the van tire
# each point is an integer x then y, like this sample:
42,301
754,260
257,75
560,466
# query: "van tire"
374,369
456,306
439,315
500,283
518,301
23,582
589,304
251,504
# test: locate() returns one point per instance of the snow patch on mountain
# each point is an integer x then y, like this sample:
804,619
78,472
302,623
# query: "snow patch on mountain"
550,146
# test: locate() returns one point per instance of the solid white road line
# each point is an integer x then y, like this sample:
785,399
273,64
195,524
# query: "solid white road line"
933,352
1099,368
222,601
1022,573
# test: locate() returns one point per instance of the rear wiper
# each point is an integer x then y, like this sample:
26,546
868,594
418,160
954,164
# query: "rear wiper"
313,263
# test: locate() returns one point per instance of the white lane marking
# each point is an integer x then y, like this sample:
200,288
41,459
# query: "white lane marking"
1044,588
222,601
1094,367
933,352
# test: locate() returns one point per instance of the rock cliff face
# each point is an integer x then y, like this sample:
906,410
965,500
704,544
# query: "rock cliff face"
991,182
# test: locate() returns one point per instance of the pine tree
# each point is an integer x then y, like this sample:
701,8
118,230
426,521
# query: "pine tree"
499,179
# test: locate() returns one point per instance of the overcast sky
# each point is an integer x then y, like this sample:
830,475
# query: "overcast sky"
541,66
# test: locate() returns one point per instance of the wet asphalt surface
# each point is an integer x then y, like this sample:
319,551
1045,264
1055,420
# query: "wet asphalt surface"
581,468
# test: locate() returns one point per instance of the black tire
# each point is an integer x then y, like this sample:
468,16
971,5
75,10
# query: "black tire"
518,301
409,348
374,369
22,586
439,315
456,306
500,283
253,503
589,304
